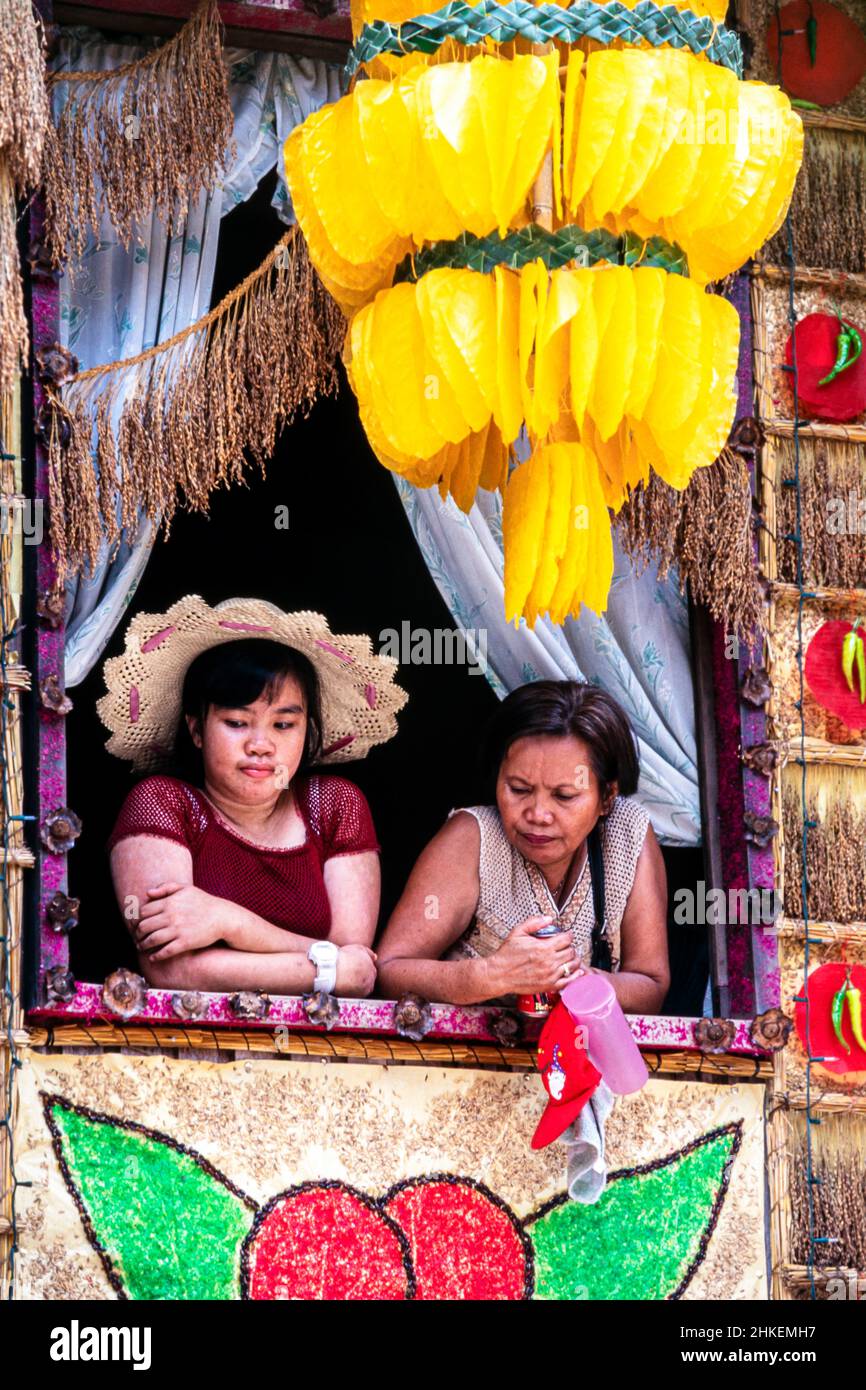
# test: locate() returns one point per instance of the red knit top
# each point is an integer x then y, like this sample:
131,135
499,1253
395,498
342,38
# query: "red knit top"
286,887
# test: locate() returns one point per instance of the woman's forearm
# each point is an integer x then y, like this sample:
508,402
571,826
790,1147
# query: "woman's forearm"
219,969
441,981
246,931
638,994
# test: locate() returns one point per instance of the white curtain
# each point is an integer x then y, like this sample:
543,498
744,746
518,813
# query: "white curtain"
638,651
120,302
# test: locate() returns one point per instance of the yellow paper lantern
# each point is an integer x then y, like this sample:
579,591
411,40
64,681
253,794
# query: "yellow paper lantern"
472,318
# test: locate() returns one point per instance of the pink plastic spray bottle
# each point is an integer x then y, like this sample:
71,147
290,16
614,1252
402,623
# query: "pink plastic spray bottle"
592,1003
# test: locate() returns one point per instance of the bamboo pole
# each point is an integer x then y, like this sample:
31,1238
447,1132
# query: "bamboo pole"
20,857
97,1037
849,281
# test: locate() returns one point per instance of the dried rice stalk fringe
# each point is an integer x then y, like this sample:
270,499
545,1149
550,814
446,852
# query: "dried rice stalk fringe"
839,1198
835,863
706,530
833,513
24,122
23,99
149,135
828,202
172,424
14,337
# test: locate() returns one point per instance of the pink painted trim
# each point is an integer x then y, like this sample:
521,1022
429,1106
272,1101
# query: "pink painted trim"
157,638
245,627
366,1016
133,704
326,647
370,695
341,743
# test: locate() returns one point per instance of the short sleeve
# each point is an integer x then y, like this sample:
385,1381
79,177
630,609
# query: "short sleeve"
159,806
344,816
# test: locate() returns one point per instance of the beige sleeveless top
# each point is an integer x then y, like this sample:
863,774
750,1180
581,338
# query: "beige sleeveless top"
512,889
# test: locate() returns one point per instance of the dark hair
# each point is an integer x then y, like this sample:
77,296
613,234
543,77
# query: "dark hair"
235,674
557,709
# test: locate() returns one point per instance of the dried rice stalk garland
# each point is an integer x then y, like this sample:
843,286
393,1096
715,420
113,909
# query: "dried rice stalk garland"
706,530
146,136
832,509
826,209
172,423
835,864
839,1198
24,123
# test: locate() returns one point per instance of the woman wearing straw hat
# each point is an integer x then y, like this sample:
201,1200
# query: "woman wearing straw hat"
248,870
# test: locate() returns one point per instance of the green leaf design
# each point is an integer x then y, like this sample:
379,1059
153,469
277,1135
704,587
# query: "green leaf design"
646,1235
165,1222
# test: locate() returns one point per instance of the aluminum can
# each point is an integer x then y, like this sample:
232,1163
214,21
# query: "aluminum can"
538,1005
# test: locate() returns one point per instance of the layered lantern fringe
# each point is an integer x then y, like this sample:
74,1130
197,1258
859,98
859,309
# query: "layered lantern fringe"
23,126
656,142
172,424
145,137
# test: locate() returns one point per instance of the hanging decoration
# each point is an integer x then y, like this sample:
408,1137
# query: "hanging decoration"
831,368
522,241
167,427
835,671
147,136
24,122
835,1026
822,52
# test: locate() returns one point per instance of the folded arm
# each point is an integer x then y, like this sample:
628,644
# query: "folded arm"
176,926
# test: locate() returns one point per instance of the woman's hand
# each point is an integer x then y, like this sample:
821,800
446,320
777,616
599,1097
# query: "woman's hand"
356,971
178,918
523,964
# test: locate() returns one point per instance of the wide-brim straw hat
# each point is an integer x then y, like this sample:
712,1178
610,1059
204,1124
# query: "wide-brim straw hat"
142,709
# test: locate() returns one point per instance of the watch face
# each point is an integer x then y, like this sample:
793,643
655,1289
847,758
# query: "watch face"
323,953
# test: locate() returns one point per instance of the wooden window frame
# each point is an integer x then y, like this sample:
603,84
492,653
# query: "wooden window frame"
320,28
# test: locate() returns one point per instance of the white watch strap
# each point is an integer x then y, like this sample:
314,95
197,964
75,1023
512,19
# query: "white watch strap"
326,972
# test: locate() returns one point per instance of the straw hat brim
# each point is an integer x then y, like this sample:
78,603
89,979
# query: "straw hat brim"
142,708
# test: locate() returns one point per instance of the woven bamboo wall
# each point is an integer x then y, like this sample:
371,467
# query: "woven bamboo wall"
822,771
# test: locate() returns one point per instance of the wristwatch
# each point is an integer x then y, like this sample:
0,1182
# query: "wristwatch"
324,954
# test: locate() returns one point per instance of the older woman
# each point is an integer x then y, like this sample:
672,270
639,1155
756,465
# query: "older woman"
562,764
250,870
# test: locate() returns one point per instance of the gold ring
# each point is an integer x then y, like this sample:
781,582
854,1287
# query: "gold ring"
566,971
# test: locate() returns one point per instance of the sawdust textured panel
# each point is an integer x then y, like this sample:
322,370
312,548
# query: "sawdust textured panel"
296,1180
791,962
776,395
756,18
824,624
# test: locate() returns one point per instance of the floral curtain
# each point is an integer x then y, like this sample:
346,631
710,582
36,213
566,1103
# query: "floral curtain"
120,302
638,650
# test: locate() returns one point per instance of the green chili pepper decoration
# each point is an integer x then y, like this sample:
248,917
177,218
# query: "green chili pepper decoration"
855,1009
854,654
836,1009
812,37
849,346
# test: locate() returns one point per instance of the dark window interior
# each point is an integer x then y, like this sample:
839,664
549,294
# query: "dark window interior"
348,552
